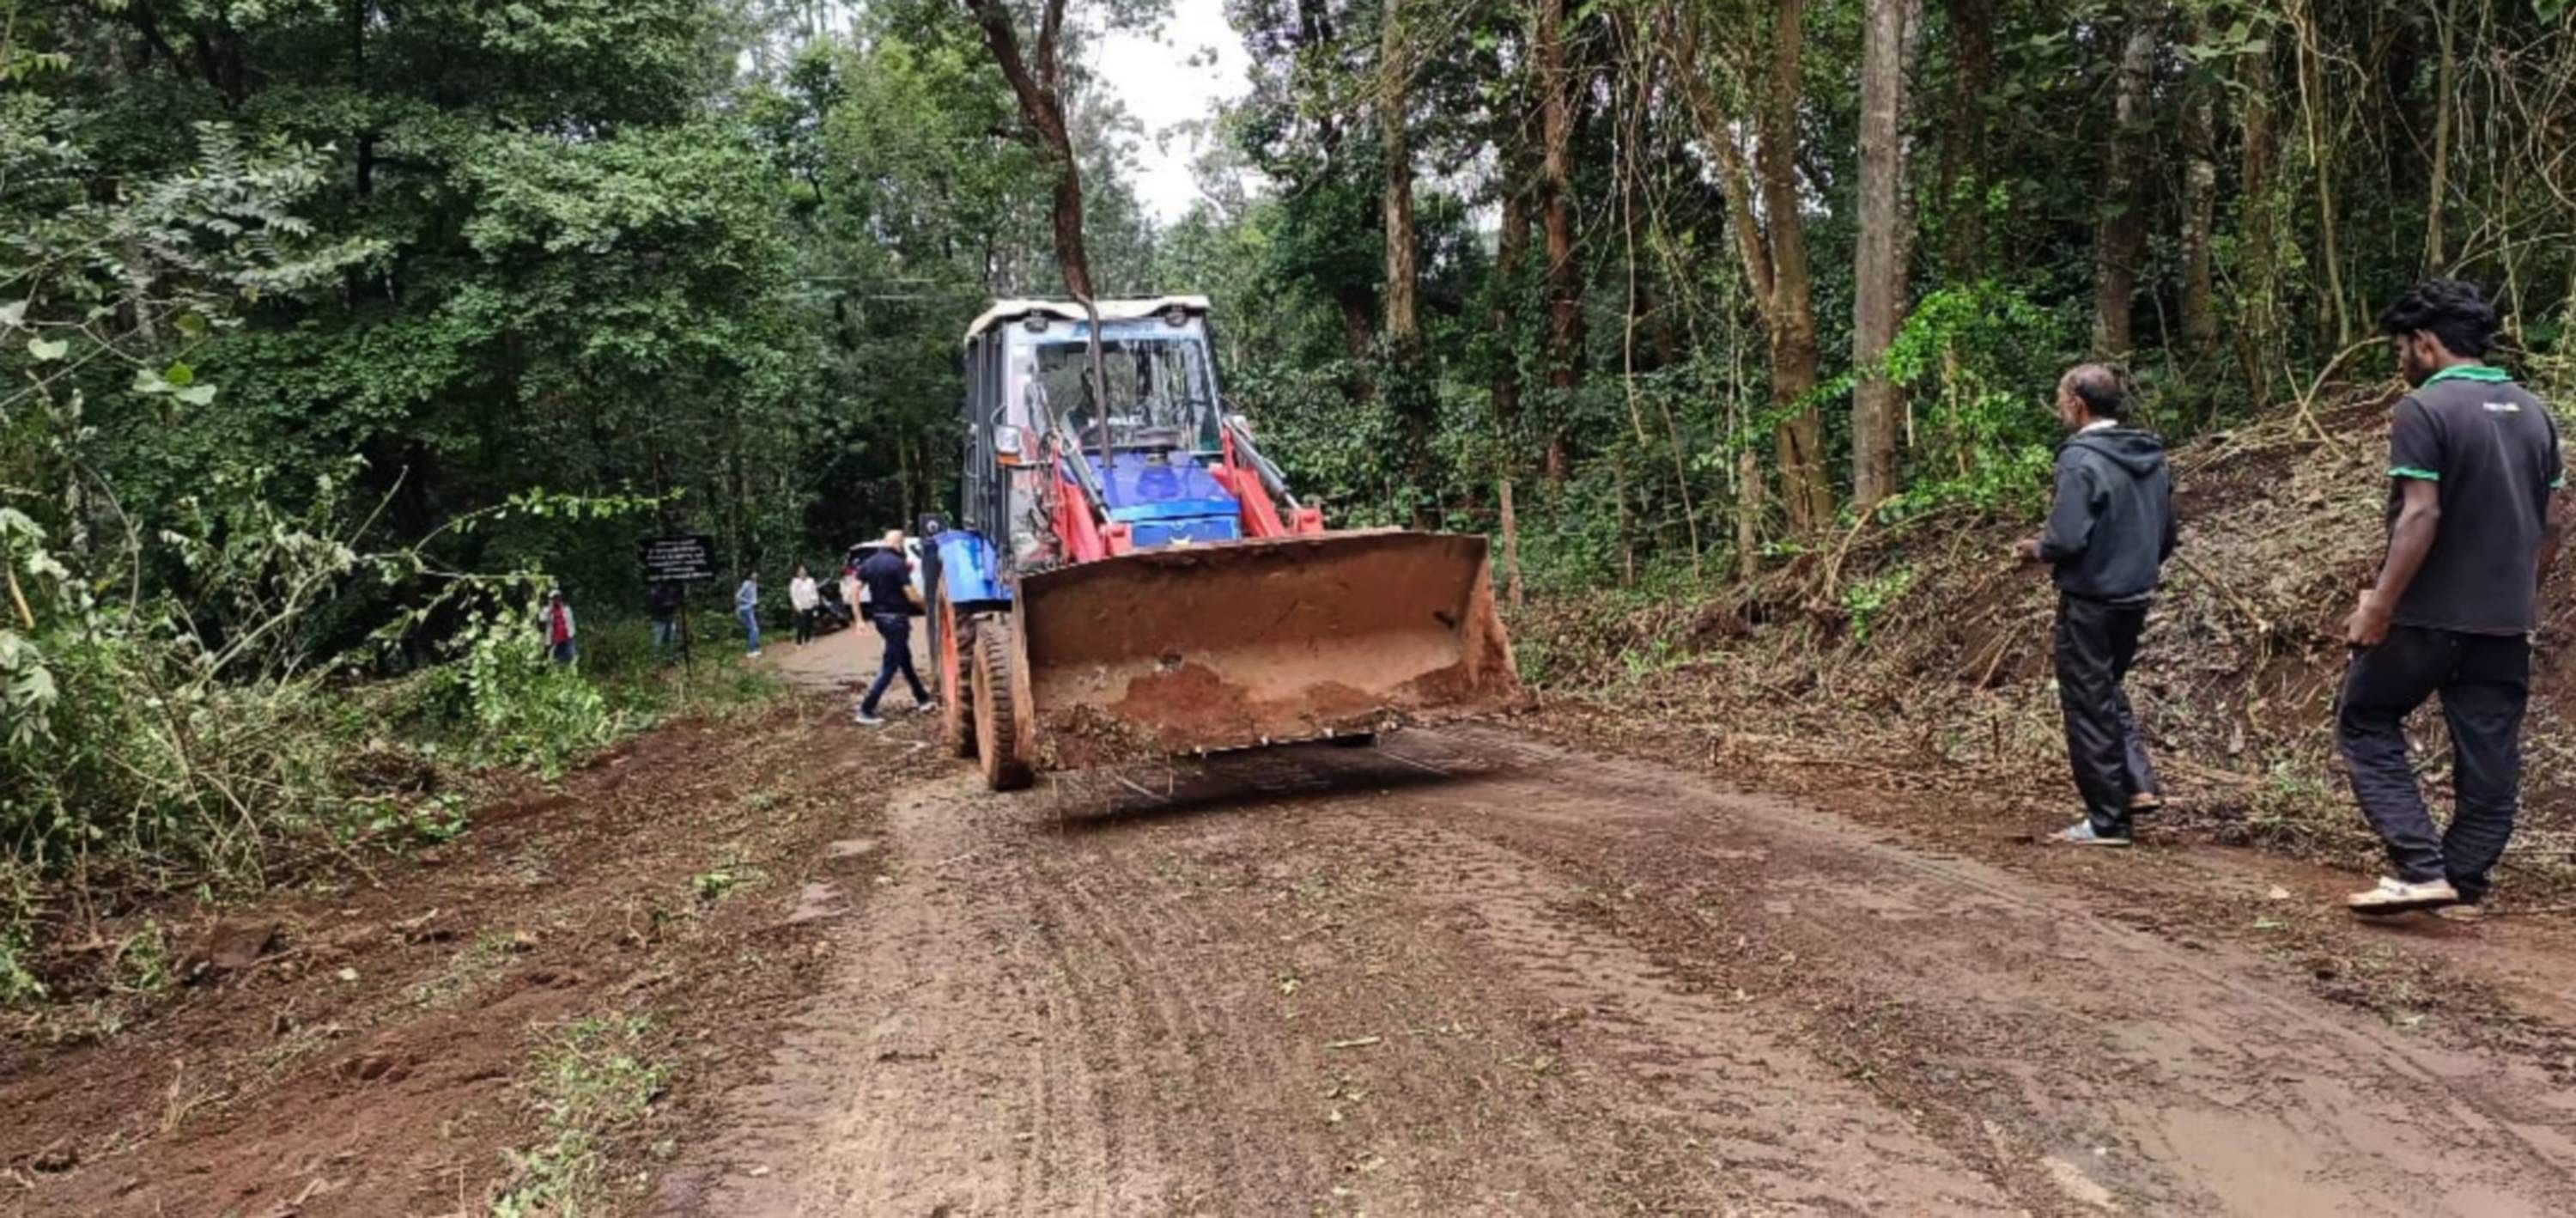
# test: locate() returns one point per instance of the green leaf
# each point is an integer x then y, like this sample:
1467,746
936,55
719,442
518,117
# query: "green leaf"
191,325
13,313
47,350
198,395
179,374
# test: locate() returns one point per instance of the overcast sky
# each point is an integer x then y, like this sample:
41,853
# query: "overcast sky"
1152,75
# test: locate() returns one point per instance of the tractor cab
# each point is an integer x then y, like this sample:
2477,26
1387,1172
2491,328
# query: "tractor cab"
1149,431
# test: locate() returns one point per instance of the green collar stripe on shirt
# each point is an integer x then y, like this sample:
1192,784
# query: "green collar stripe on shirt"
2409,471
2469,372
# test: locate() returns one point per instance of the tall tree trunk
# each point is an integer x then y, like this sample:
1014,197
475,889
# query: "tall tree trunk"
1036,87
1639,311
1394,79
1963,139
2312,101
1406,393
1878,271
1804,483
2257,307
1511,250
2199,214
1718,134
1748,513
1564,273
2438,192
2120,232
1072,256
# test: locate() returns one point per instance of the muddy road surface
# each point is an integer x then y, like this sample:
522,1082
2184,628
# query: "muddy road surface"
1466,972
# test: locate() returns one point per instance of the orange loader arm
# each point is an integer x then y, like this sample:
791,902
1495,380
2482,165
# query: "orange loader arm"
1248,476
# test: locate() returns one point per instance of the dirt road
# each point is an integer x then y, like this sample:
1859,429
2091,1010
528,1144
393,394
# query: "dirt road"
780,964
1471,973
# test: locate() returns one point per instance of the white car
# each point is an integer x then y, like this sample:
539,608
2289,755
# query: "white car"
911,558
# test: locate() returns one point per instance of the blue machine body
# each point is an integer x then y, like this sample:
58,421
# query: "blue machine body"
1166,497
968,572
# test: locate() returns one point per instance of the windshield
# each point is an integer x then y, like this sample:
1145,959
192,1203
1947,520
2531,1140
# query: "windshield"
1159,392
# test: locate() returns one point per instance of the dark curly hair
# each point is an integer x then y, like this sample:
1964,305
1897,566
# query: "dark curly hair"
2451,310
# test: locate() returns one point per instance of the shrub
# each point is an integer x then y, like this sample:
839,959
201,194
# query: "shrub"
512,705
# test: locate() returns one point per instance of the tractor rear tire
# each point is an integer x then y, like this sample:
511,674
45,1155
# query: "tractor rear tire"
956,697
997,738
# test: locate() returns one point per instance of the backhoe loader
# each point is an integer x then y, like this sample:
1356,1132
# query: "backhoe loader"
1128,573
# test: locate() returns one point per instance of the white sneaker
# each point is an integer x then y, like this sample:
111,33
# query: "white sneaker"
2397,896
2081,834
864,719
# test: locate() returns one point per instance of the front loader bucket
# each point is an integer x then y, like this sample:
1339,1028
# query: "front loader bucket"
1201,648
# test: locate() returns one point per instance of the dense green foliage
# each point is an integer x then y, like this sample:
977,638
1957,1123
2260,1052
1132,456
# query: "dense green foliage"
2291,155
331,333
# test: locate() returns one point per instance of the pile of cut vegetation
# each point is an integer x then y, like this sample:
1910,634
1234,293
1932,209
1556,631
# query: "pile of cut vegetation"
1920,652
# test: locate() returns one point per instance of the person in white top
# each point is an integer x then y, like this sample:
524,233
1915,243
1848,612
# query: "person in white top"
802,594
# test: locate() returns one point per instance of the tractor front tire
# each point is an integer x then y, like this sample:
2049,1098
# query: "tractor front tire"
956,698
997,738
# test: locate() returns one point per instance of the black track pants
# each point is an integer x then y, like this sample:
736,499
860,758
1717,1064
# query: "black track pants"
2096,641
896,630
2484,680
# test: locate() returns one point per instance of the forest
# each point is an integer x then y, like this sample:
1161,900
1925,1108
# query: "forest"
333,331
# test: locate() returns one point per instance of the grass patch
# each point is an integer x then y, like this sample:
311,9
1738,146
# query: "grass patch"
715,885
280,784
594,1082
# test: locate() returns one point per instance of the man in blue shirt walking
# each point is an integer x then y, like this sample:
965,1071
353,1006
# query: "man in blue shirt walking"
746,609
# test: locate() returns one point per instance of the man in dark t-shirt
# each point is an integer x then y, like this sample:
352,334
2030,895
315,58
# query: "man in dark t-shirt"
891,598
2474,517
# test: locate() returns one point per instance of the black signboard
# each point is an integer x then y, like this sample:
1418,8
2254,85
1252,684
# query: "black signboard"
686,557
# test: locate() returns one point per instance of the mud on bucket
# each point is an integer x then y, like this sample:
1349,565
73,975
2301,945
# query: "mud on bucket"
1258,642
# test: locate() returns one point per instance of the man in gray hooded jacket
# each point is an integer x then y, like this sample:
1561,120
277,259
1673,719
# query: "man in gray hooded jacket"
2108,535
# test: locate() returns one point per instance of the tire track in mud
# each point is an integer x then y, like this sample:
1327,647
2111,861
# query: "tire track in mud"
1781,1125
1132,936
2168,1076
903,1062
1268,1076
1473,973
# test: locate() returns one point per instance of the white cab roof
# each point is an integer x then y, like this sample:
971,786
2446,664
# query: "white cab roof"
1005,311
